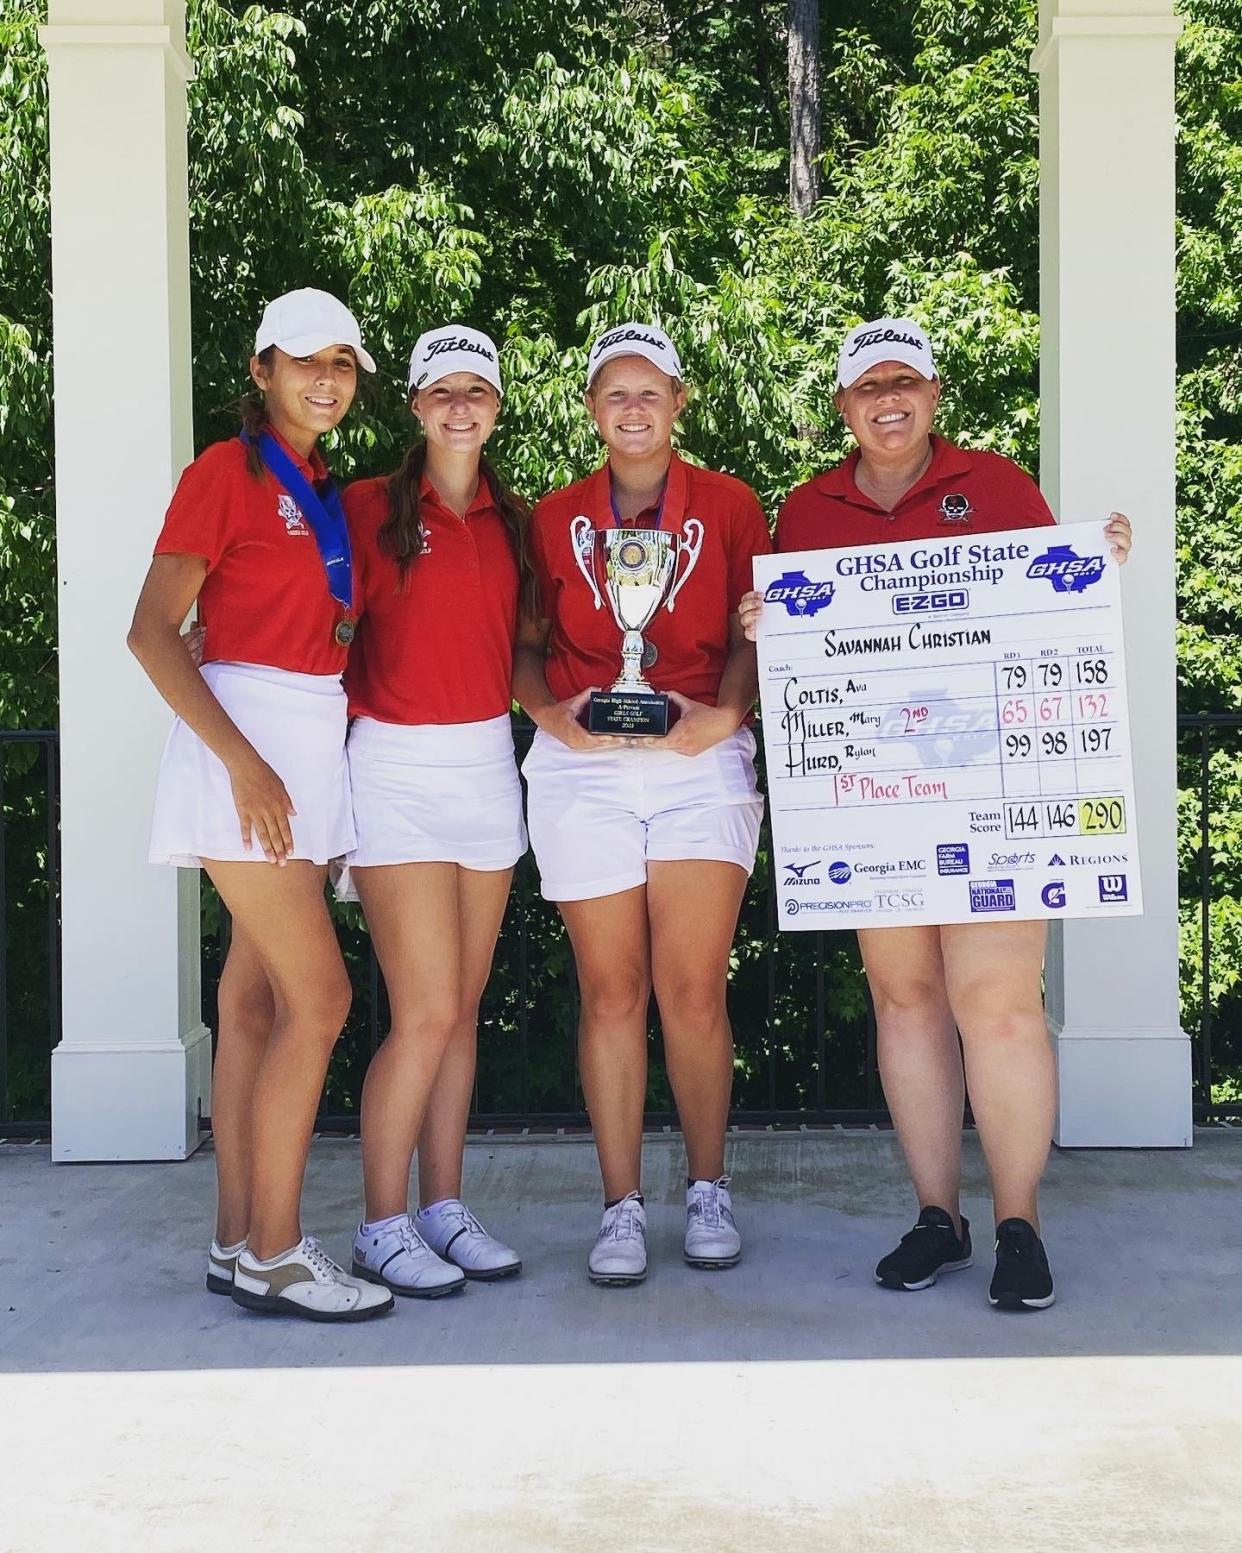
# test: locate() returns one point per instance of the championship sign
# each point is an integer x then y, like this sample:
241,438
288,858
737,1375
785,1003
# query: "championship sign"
947,731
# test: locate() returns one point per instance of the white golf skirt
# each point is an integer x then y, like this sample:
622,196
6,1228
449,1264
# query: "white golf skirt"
434,793
297,724
597,818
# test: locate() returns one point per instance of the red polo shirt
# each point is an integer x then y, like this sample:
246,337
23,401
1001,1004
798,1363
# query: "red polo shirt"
265,598
439,649
961,492
692,641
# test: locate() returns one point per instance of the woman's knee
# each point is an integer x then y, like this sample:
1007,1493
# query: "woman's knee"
426,1020
687,995
321,1004
617,992
900,998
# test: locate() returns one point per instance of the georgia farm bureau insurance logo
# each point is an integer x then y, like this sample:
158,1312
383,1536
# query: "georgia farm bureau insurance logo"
1066,570
799,594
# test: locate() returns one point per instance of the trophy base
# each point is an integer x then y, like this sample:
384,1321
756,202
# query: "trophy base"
631,714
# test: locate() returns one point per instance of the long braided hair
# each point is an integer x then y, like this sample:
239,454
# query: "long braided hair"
253,411
401,534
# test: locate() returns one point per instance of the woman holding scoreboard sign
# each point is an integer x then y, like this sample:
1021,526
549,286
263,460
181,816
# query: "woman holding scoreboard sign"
930,985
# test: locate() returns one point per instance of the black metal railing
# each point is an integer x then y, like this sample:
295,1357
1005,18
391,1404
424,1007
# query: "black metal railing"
29,928
805,1037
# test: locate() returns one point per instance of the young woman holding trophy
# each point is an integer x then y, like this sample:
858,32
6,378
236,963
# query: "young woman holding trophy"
645,837
254,787
930,985
440,549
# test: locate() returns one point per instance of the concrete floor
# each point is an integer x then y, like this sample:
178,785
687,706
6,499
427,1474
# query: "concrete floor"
785,1401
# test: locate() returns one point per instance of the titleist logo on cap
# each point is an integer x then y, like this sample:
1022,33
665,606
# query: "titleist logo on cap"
884,337
453,342
621,336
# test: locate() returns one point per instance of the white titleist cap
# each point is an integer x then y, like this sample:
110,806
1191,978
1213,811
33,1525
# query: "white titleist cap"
306,321
884,339
634,340
441,352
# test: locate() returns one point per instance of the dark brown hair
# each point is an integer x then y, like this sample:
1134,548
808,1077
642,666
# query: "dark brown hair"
252,407
401,533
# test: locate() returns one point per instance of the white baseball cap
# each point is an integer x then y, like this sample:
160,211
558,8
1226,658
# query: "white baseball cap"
884,339
303,322
455,348
634,339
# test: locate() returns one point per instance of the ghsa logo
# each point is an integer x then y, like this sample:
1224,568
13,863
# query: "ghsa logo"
1067,571
289,510
799,594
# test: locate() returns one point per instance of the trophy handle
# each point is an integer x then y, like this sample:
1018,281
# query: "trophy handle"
582,538
692,529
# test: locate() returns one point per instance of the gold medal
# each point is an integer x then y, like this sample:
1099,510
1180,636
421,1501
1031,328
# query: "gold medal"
345,632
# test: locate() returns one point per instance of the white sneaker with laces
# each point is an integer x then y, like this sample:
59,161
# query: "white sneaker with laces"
396,1255
619,1256
712,1239
453,1232
304,1281
221,1264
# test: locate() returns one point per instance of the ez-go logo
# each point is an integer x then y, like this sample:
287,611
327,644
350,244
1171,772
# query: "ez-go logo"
931,603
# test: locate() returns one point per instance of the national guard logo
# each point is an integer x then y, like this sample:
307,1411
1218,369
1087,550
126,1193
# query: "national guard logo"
289,510
955,508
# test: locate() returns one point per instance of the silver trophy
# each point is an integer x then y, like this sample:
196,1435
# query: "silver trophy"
637,570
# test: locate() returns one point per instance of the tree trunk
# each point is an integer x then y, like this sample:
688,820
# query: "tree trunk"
804,143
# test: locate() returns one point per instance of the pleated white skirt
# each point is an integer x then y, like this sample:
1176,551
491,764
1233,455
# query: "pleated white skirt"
297,724
434,793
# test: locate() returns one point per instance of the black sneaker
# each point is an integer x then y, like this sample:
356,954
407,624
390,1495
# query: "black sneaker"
1023,1279
929,1249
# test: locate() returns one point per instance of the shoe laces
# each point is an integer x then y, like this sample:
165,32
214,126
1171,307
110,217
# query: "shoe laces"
707,1202
411,1239
624,1221
1016,1242
317,1258
462,1216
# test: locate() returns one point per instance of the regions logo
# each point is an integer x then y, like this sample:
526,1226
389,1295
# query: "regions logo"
799,594
800,873
840,873
1056,861
1112,889
291,513
952,857
1066,570
993,895
1053,895
946,601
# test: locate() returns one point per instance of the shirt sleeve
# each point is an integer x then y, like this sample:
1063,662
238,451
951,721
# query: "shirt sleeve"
750,538
199,517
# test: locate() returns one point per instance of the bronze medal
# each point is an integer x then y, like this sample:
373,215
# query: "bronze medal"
345,632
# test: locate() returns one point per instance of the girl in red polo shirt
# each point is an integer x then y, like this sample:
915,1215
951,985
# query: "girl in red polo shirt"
930,984
254,787
646,843
440,548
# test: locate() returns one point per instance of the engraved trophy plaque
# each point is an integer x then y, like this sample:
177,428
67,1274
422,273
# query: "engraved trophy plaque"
636,570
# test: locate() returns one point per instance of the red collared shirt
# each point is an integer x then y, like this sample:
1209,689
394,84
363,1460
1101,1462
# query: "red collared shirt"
439,649
961,493
692,640
265,598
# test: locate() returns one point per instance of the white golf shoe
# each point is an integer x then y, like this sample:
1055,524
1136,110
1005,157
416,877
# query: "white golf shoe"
396,1255
304,1281
712,1239
619,1256
453,1232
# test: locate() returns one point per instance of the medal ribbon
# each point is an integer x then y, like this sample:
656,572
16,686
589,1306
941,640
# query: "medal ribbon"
659,512
323,513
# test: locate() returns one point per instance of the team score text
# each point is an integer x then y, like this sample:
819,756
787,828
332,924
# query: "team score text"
1091,672
1095,741
1101,816
1093,706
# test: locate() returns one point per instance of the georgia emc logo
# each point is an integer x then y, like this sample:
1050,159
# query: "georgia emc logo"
800,873
1113,889
1053,894
840,873
1066,570
799,594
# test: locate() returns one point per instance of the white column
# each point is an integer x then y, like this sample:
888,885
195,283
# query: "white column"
1107,383
133,1068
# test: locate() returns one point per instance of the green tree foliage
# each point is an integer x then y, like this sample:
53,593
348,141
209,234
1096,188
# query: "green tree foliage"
542,170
